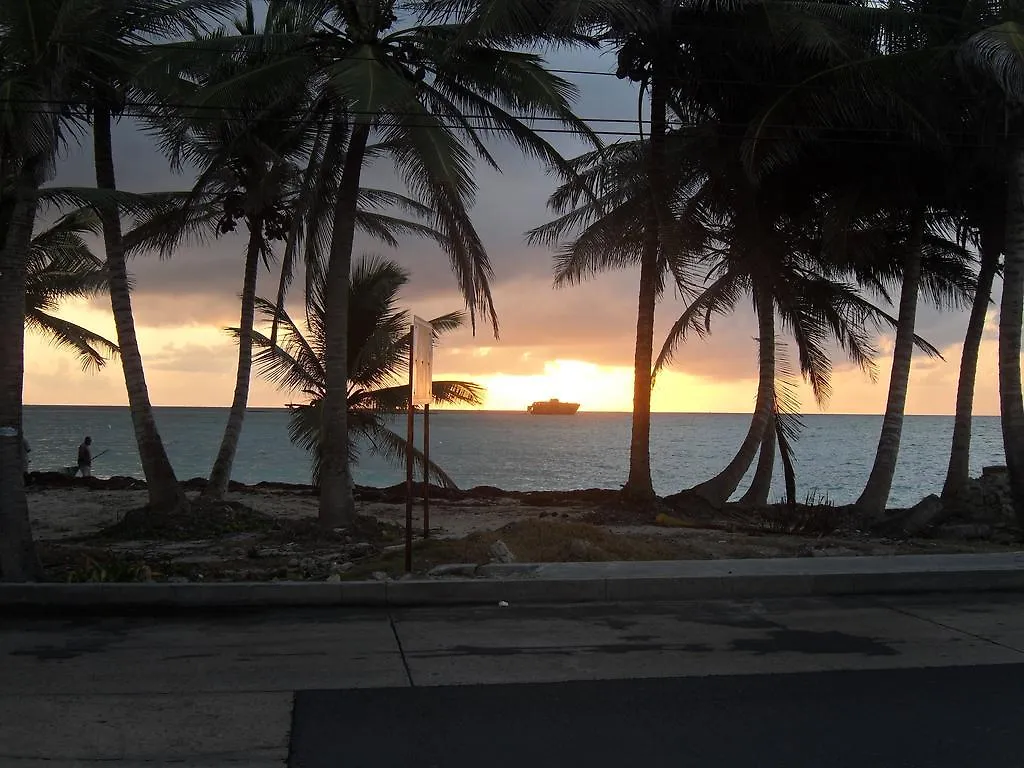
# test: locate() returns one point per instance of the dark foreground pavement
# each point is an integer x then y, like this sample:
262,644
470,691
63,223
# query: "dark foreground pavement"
911,718
932,681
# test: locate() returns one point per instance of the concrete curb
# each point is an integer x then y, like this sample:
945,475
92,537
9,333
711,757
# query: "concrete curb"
560,583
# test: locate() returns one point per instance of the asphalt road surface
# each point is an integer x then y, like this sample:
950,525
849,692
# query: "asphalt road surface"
953,717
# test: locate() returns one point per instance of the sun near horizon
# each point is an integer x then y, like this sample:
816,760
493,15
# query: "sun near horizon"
194,366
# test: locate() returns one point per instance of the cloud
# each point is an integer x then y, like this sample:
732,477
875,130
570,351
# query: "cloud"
182,304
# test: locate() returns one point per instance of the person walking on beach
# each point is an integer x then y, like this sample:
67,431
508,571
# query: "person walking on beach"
85,457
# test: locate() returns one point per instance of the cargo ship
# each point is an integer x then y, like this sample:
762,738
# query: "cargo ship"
553,407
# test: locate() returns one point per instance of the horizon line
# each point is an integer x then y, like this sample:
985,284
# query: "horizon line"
493,410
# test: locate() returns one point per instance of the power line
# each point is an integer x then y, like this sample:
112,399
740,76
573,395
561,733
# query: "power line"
451,123
453,126
183,46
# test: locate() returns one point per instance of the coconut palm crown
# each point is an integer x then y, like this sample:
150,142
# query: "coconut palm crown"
61,267
378,358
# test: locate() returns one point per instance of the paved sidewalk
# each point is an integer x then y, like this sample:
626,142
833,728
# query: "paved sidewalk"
218,691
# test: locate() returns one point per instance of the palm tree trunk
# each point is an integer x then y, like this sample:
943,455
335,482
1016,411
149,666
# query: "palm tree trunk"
282,288
761,485
221,473
718,489
18,559
337,505
788,470
165,494
875,495
958,471
638,487
1011,403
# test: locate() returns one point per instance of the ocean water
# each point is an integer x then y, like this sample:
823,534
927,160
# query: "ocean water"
516,451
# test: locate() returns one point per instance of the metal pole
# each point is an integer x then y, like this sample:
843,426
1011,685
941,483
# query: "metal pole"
426,471
409,437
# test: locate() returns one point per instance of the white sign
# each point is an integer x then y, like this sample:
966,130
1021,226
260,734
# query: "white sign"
422,376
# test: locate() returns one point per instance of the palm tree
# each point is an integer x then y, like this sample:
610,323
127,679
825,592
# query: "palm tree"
61,267
248,156
996,55
990,247
430,92
378,357
36,61
895,91
107,80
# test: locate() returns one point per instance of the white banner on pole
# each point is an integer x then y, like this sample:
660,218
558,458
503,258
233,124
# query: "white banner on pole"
422,362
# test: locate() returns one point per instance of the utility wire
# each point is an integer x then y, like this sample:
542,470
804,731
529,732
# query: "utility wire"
228,51
453,126
136,109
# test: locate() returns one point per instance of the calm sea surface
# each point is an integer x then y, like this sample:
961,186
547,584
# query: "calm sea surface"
516,451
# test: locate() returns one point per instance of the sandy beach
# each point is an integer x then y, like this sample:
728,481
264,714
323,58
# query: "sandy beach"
89,531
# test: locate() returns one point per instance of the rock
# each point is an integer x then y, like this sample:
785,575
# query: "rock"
362,548
579,548
334,578
966,531
293,562
240,537
925,514
341,567
380,576
834,552
500,553
268,552
453,569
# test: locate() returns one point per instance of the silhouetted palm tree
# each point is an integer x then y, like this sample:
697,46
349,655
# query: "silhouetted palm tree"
37,62
378,361
996,55
62,267
117,38
429,91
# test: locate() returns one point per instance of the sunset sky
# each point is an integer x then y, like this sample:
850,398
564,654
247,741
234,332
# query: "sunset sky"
573,343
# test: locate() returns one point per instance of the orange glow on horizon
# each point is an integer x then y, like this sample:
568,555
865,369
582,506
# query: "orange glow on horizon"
194,365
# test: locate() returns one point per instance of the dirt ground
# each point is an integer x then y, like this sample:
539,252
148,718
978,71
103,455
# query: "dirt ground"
88,532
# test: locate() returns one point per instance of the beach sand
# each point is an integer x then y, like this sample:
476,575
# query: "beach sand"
69,524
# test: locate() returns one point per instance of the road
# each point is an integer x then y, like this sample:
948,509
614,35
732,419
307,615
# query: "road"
917,681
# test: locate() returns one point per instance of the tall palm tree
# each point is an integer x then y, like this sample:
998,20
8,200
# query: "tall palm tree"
958,470
996,55
894,91
61,266
272,163
430,92
648,48
248,158
36,64
108,80
378,359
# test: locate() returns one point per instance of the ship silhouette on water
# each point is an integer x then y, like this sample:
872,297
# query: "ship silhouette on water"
553,407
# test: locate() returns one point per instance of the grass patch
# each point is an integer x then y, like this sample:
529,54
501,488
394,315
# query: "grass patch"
817,517
532,541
